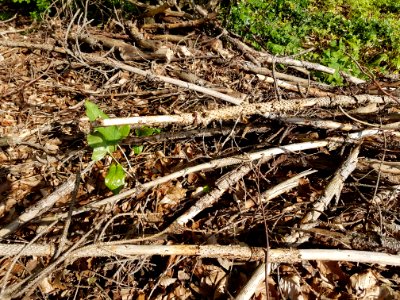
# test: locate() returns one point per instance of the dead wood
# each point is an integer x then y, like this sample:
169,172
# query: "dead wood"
221,181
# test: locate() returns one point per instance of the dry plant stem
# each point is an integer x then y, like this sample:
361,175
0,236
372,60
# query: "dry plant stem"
9,20
215,164
251,286
291,87
259,275
323,124
18,290
116,64
333,189
211,251
43,205
237,112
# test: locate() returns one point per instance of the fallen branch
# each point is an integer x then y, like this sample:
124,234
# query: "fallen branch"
117,64
43,205
333,189
227,181
321,124
295,88
267,72
219,163
251,286
215,164
208,251
245,110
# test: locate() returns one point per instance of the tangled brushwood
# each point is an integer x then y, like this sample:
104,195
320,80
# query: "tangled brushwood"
161,157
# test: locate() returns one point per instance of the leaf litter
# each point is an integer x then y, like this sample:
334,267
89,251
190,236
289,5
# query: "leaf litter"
43,145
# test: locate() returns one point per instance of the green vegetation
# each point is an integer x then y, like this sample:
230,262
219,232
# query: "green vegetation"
36,8
340,31
144,131
105,140
100,10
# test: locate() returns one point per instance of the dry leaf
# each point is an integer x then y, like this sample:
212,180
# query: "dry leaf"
45,286
360,283
290,287
166,281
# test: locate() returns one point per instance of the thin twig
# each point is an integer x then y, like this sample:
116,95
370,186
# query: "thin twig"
285,255
43,205
64,236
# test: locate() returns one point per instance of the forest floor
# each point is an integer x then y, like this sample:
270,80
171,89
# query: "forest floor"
248,166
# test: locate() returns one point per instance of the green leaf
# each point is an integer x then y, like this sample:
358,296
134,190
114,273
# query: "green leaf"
100,146
94,112
137,149
146,131
110,134
99,153
124,130
115,179
95,140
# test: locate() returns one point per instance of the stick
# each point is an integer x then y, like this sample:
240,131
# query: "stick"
215,164
245,110
333,189
117,64
256,278
43,205
284,255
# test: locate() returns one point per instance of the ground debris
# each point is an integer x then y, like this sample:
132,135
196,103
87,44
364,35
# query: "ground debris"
267,157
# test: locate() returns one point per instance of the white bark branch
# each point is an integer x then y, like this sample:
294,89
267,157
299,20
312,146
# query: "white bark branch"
245,110
151,76
210,251
215,164
43,205
333,189
251,286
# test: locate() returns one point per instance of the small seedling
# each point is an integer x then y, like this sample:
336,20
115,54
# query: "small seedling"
104,141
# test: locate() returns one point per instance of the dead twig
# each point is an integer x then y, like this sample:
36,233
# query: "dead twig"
332,190
245,110
43,205
286,255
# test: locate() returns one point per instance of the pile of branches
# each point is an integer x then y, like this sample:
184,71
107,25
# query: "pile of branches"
257,162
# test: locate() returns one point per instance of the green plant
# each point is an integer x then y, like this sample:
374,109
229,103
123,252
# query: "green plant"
339,31
104,141
35,8
144,131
